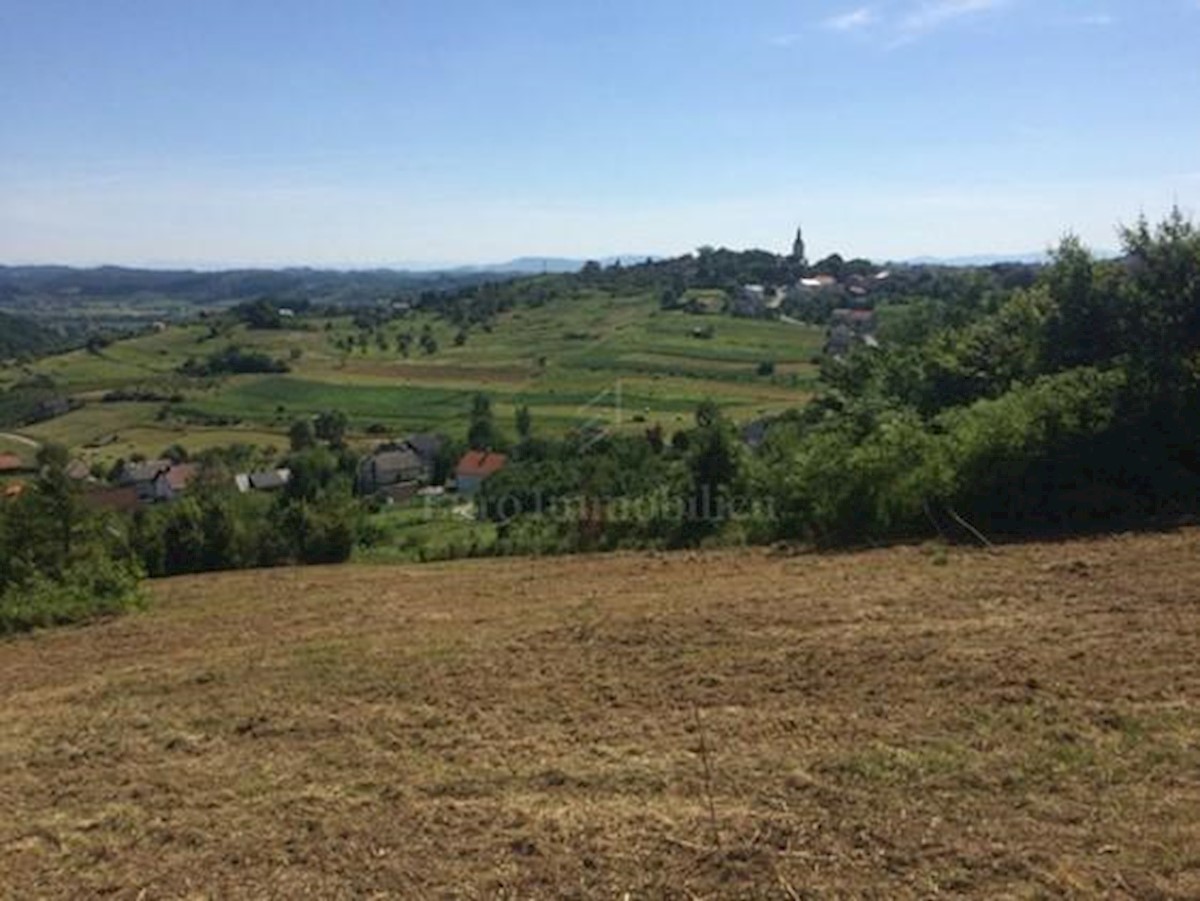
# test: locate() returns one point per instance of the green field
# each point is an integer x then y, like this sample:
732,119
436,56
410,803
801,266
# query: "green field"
596,358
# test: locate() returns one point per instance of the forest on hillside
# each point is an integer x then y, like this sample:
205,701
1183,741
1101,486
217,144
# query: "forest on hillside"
22,337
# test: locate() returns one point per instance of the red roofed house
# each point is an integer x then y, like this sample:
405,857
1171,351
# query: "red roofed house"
475,467
11,463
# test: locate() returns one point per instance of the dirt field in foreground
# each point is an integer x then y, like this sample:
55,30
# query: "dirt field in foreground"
890,724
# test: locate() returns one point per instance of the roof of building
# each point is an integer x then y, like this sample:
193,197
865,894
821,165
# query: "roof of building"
145,471
10,463
818,281
179,475
425,444
269,480
396,460
480,463
13,490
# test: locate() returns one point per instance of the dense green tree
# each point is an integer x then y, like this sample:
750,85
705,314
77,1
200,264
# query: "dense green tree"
482,433
301,435
524,422
330,426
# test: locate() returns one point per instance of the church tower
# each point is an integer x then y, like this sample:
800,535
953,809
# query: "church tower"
798,248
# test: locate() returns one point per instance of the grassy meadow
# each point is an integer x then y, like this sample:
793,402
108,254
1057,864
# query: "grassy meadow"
595,358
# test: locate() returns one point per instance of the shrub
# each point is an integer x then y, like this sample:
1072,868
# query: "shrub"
88,589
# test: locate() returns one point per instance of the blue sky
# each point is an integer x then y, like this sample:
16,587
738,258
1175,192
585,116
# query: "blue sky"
354,132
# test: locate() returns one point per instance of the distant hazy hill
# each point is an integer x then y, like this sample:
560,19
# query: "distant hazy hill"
987,259
62,293
557,265
1033,257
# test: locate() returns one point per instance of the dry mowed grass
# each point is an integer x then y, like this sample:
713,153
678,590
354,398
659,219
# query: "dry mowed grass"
896,723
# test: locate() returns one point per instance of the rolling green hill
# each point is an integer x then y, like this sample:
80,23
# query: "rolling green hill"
598,356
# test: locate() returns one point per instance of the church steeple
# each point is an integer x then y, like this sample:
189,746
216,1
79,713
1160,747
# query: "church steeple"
798,248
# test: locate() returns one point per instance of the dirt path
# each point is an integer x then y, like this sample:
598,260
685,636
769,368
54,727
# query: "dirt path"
20,439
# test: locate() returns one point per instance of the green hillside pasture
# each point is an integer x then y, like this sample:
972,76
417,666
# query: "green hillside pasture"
564,360
149,357
282,399
597,332
151,440
103,433
93,424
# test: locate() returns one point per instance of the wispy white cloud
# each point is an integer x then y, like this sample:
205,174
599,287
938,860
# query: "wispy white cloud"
933,14
853,20
914,20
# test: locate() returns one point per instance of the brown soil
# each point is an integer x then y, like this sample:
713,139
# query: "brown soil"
891,724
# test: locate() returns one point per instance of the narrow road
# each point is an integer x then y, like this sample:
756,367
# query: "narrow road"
20,439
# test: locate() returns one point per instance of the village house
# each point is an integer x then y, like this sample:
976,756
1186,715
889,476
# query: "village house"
172,482
387,468
817,283
141,475
10,463
475,468
156,481
427,446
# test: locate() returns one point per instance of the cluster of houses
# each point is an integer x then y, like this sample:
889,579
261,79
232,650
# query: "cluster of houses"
397,471
401,470
144,482
852,322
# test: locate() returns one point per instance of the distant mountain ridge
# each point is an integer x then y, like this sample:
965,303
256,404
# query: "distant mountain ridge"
1033,257
555,265
41,291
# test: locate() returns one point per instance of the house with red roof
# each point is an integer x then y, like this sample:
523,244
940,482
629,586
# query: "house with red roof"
475,468
11,463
